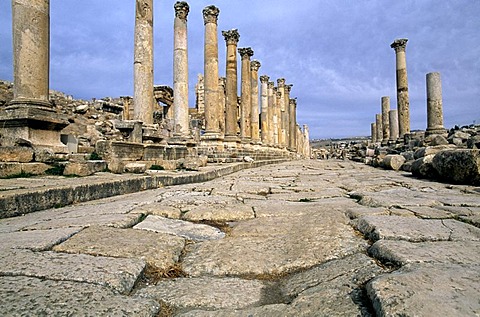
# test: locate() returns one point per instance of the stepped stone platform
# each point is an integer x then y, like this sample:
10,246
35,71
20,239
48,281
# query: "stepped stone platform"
297,238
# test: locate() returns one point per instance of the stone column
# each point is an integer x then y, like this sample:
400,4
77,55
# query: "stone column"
393,118
275,116
385,119
30,114
293,122
143,62
180,71
222,100
378,121
246,95
231,37
270,113
255,124
286,102
280,114
283,112
434,105
374,132
403,103
213,113
306,132
265,124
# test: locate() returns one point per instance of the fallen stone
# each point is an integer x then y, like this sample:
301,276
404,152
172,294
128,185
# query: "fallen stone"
393,161
459,166
220,213
404,252
427,290
118,274
20,296
423,167
135,168
158,250
185,229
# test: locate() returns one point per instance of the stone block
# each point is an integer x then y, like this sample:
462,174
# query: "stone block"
126,151
16,154
393,161
84,168
34,168
423,167
136,168
153,152
10,169
458,166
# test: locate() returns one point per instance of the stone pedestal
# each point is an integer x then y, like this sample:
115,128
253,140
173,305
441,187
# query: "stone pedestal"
393,120
255,123
246,95
403,103
434,105
180,71
264,119
385,119
231,38
143,62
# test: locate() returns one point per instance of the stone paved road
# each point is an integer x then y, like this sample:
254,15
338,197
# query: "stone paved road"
303,238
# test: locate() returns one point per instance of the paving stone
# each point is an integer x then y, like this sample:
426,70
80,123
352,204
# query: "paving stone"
404,252
415,230
274,310
159,250
430,213
27,296
220,213
396,197
427,290
207,293
37,240
158,209
118,274
185,229
360,211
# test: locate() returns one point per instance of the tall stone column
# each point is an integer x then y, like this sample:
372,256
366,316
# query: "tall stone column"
373,127
293,122
393,118
213,113
30,114
246,95
180,71
280,115
255,124
283,112
403,103
264,123
378,121
276,119
270,113
385,119
306,132
222,100
286,102
143,62
434,105
231,38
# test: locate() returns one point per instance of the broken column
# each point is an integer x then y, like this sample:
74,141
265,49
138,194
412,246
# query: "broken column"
231,38
378,122
180,71
434,105
246,95
143,62
213,113
393,120
403,103
30,115
255,124
264,123
385,120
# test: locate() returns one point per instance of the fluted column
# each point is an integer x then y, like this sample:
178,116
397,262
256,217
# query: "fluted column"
378,121
270,113
393,118
255,124
264,123
180,71
385,119
403,103
283,112
213,113
143,62
231,38
246,95
293,122
434,104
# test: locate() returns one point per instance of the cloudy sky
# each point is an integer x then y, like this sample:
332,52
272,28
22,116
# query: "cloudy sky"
336,53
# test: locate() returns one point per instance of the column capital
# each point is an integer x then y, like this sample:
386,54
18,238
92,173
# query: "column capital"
181,10
270,85
264,79
293,101
279,94
255,65
288,88
231,36
144,10
281,82
245,52
210,14
399,45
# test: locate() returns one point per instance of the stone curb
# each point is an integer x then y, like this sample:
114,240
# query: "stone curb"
16,203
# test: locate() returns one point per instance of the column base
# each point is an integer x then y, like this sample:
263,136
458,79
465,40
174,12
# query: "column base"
35,123
436,131
212,136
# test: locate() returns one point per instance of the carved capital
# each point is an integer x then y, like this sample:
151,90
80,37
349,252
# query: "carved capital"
288,88
231,36
245,52
279,94
210,14
144,10
270,85
293,102
264,79
281,82
255,66
399,45
181,10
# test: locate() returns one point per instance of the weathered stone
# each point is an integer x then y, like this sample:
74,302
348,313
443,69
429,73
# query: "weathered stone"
158,209
34,168
10,169
185,229
207,293
118,274
429,150
37,240
357,212
84,168
86,220
21,295
423,167
135,168
393,161
427,290
220,213
458,166
158,250
395,197
16,154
